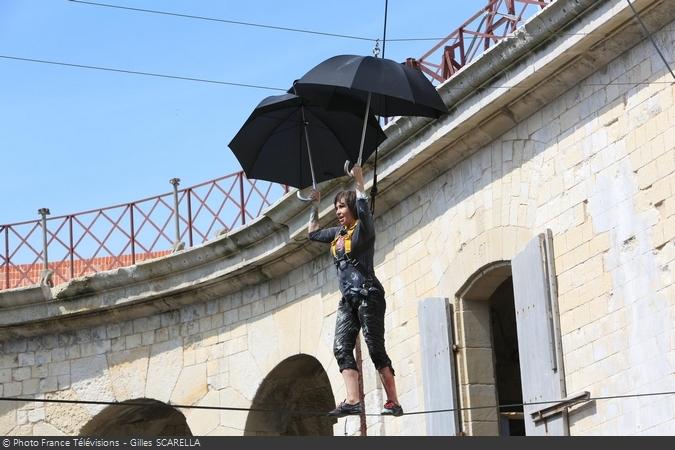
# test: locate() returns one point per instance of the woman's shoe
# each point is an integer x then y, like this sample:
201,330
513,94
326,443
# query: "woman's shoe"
392,409
345,409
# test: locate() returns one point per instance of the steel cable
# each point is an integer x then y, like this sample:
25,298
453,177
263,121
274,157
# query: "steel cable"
323,413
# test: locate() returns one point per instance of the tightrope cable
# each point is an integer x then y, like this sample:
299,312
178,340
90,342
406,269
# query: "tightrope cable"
323,413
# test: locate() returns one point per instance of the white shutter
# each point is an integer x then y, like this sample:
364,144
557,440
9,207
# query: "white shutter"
438,366
539,346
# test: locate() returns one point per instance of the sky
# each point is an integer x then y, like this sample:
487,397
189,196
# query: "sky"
74,139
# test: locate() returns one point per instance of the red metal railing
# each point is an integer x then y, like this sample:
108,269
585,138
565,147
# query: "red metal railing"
492,23
122,235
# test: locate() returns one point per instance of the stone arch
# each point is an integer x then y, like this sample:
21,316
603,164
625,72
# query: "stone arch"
141,417
488,359
492,246
297,384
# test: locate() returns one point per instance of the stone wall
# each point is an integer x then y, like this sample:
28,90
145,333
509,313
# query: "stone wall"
210,353
595,165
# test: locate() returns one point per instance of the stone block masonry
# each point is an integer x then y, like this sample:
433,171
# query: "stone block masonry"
581,143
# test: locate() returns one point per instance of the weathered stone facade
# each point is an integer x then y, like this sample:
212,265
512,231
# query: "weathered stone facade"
582,142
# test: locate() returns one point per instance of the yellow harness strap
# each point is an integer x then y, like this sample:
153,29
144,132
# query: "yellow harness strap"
347,239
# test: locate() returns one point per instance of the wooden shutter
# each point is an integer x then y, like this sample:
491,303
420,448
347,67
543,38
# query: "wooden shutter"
537,320
438,366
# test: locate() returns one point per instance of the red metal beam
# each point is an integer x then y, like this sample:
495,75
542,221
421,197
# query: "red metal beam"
496,20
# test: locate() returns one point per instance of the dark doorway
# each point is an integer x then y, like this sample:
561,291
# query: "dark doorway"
506,361
141,418
297,393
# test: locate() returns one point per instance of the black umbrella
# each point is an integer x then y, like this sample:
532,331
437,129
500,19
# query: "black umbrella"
386,87
274,142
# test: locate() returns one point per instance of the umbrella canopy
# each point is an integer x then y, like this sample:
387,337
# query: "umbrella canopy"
272,144
395,89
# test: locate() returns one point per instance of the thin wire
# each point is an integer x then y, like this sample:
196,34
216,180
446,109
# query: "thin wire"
651,38
294,30
373,190
145,405
482,86
384,27
133,72
516,405
316,413
233,22
254,86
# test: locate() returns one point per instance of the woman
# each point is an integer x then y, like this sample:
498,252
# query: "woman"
362,304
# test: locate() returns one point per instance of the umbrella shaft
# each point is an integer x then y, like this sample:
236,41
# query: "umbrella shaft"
363,131
309,150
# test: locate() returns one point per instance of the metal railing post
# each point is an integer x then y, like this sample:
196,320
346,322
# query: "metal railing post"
189,206
7,257
46,276
71,247
241,199
133,233
177,245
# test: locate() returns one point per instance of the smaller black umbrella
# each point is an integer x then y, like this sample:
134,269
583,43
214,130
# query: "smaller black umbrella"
274,142
385,87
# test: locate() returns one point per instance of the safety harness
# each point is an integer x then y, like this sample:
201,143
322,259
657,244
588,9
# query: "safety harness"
343,260
346,234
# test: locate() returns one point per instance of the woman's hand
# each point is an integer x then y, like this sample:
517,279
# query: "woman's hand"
357,173
315,196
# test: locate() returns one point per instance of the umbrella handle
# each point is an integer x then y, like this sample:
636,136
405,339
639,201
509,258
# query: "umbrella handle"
301,198
363,136
346,167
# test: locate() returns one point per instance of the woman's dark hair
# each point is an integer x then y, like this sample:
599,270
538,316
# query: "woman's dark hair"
349,197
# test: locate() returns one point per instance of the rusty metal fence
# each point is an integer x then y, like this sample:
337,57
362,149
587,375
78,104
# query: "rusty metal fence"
483,30
79,244
122,235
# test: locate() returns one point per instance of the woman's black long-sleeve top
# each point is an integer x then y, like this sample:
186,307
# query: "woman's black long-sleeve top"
354,259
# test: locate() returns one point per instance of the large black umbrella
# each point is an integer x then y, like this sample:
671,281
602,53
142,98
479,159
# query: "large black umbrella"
386,87
395,89
276,141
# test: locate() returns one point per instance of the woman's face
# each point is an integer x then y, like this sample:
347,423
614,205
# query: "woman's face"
344,215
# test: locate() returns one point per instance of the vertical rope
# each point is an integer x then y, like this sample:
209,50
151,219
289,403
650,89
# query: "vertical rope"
362,394
373,190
